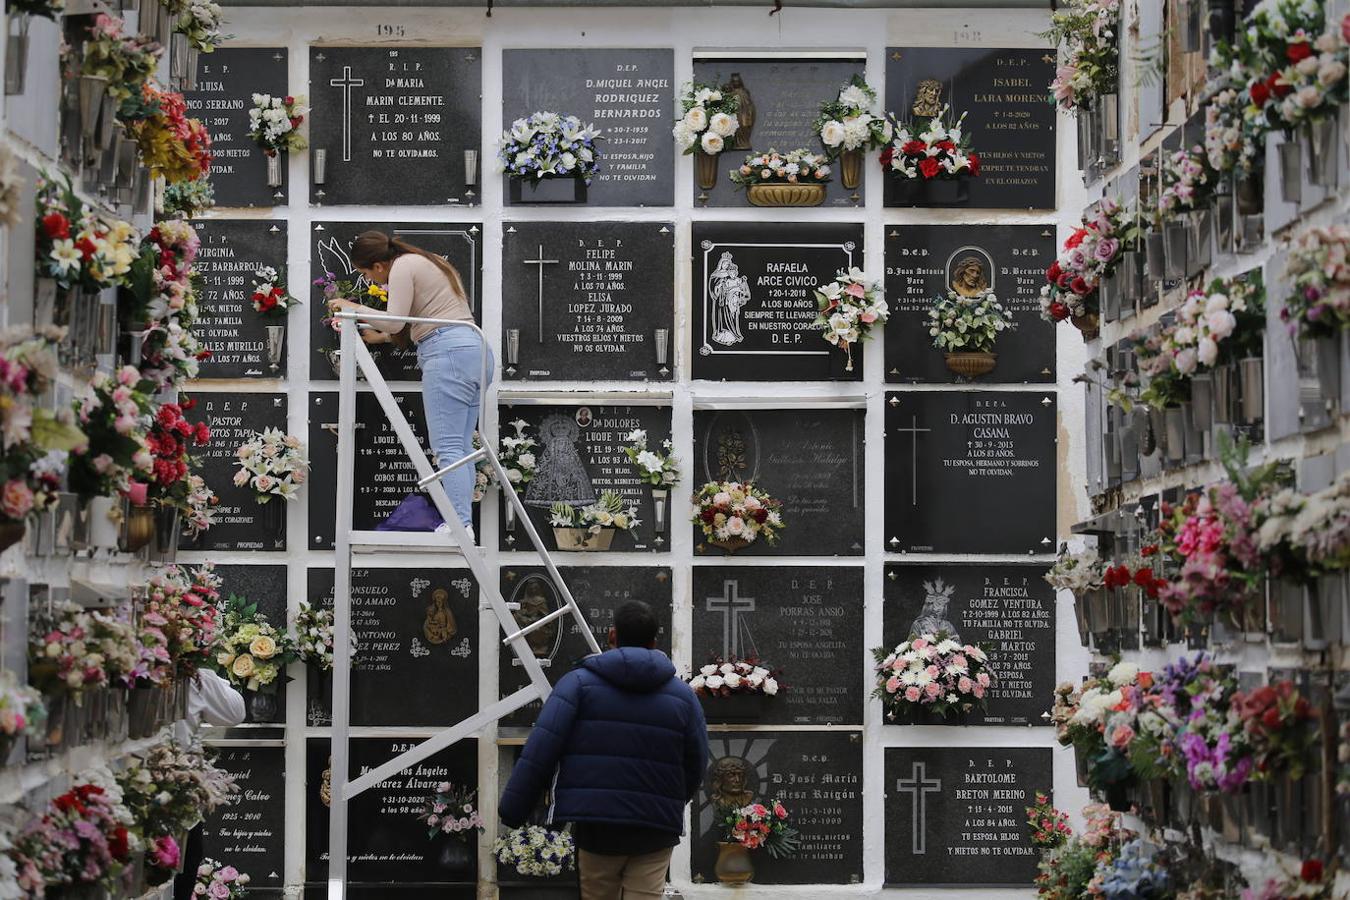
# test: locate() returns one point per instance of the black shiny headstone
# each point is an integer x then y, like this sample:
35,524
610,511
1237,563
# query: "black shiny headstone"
330,251
231,252
810,459
1008,609
970,472
807,621
956,816
396,123
249,832
1011,121
818,777
241,523
922,264
416,633
227,79
754,306
263,585
586,298
785,94
560,646
629,95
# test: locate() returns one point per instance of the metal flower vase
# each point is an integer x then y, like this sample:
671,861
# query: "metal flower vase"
276,346
1291,170
16,54
1322,604
1324,151
1175,425
850,169
1200,253
733,863
705,169
1191,25
1252,375
1202,401
1175,238
168,527
274,170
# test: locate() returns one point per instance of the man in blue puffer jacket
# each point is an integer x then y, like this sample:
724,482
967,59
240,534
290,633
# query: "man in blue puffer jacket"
621,744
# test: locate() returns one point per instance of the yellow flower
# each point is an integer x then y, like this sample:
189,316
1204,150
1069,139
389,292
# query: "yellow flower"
224,659
243,666
378,292
263,647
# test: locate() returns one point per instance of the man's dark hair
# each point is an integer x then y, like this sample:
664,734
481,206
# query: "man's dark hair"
635,625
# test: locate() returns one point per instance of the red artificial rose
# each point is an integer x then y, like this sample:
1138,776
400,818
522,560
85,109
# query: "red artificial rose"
1079,286
974,164
203,354
1058,311
1052,274
887,155
1312,870
1271,718
914,148
1065,279
87,247
118,845
1144,577
203,433
1076,238
946,145
56,226
708,515
929,167
1297,52
288,100
1278,86
1260,93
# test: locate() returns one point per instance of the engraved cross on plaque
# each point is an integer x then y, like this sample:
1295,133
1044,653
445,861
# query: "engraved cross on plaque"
346,83
913,431
540,262
919,786
730,605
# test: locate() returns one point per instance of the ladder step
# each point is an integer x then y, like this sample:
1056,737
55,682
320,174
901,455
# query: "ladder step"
403,542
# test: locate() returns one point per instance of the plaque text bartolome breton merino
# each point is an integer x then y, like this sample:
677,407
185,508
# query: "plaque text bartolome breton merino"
230,255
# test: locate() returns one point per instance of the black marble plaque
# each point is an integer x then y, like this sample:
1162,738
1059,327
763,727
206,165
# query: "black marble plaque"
396,123
806,621
585,300
330,250
629,95
1010,123
263,585
580,452
416,632
241,523
227,79
956,816
925,262
388,850
785,96
249,833
230,254
810,459
560,646
970,472
1007,609
754,305
817,775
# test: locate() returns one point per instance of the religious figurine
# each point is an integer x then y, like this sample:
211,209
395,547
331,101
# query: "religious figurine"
439,625
730,292
326,786
535,603
928,98
731,462
745,112
968,277
932,619
561,475
730,783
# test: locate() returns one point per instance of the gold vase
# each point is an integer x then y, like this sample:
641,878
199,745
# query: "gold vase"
971,364
1088,323
582,539
705,166
731,545
850,168
138,527
786,194
733,863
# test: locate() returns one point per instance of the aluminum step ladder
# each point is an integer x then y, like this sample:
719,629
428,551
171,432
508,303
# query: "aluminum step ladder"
354,354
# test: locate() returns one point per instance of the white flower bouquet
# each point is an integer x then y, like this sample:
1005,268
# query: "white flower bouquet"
707,119
934,673
849,307
851,121
733,515
723,678
274,123
536,851
517,454
273,464
967,324
270,297
549,145
314,636
659,470
1077,572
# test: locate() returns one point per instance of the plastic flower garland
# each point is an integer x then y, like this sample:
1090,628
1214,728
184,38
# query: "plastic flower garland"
74,245
800,166
1188,182
220,882
1318,270
115,416
722,678
610,510
941,151
536,851
451,811
274,123
849,122
547,144
707,119
517,454
1085,30
252,654
934,672
173,145
848,309
270,297
201,22
731,512
314,636
660,470
958,323
760,825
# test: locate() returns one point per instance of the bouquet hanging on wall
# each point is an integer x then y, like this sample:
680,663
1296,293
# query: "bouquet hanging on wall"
186,603
274,123
201,21
1318,271
1090,254
1086,33
115,415
931,672
270,297
75,246
273,464
169,440
938,151
732,515
175,146
707,119
251,653
850,121
848,308
22,711
80,840
452,810
187,199
549,145
517,454
314,629
1189,181
128,61
967,324
536,851
658,470
1077,573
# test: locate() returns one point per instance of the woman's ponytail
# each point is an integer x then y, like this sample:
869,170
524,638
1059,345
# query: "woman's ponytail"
372,247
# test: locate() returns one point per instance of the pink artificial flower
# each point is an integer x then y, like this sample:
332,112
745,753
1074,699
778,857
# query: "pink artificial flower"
868,317
964,685
16,499
912,694
892,685
932,689
856,290
1121,736
165,852
982,679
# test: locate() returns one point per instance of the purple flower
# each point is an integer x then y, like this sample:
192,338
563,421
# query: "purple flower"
1107,249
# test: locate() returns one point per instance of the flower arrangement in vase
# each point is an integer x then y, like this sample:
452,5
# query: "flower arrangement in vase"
79,840
932,674
755,826
220,882
314,636
555,155
707,121
253,655
452,815
115,416
1049,826
185,601
732,515
795,178
273,464
22,712
76,247
592,527
115,65
848,308
1318,272
187,199
659,470
274,125
1099,719
966,328
1189,182
931,165
175,146
1090,254
535,851
200,23
735,690
1087,33
849,126
272,301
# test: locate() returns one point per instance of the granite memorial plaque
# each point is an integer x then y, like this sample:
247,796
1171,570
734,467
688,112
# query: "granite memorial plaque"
330,251
1007,609
241,522
400,126
416,633
560,646
388,851
780,99
818,777
263,585
629,95
579,455
249,832
242,343
590,301
956,816
227,79
926,262
1009,118
807,621
810,459
754,305
970,472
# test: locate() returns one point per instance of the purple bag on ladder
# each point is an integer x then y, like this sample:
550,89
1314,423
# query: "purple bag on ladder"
415,513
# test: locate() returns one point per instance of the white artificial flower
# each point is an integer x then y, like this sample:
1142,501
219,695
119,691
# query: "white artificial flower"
696,119
832,133
723,124
713,143
1122,673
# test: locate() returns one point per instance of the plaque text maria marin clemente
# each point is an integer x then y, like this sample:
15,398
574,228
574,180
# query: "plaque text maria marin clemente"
1007,609
243,344
927,262
970,472
588,301
400,126
250,831
754,301
1010,122
956,816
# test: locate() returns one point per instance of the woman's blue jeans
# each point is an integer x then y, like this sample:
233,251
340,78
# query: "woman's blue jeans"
451,361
